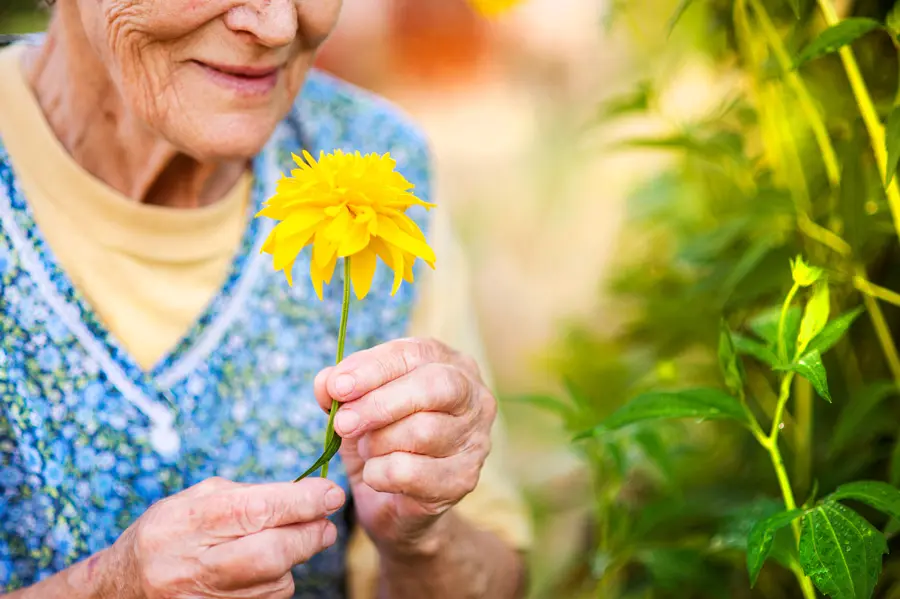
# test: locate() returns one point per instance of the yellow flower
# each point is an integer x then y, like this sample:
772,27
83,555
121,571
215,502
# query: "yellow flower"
491,8
346,205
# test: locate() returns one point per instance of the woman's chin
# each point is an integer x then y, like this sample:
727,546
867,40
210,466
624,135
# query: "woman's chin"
214,139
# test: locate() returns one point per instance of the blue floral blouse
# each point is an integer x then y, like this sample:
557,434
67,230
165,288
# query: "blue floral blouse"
88,440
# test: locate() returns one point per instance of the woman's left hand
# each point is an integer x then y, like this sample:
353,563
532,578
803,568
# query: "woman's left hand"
416,422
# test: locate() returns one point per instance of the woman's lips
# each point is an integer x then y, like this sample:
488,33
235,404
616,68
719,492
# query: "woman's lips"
246,81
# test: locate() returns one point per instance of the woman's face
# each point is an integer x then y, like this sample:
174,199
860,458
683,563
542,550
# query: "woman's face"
213,77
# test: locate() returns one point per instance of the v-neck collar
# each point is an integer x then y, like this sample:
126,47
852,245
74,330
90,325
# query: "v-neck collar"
146,390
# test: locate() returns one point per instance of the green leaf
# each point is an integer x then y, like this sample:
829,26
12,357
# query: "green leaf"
836,37
815,316
636,101
765,326
894,474
852,421
892,20
761,537
834,330
879,495
333,446
811,368
749,347
702,404
682,7
795,7
544,402
729,363
655,451
892,141
841,552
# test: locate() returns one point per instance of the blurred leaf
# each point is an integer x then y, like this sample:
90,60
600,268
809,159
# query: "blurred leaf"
747,263
672,568
836,37
811,368
702,404
749,347
761,537
654,449
892,21
841,552
834,330
852,420
544,402
635,101
682,7
729,364
795,7
894,474
765,326
879,495
815,316
892,141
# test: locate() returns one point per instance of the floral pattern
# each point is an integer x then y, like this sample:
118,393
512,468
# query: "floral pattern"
88,441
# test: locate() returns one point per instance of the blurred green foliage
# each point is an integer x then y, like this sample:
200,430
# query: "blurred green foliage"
752,185
22,16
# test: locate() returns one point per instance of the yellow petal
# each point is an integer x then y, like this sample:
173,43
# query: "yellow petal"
338,228
362,271
299,221
392,257
356,240
391,233
408,261
286,250
322,274
324,250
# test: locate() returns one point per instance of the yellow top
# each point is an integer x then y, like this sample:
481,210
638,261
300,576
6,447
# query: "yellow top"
149,271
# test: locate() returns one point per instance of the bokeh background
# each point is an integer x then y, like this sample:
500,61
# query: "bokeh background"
619,185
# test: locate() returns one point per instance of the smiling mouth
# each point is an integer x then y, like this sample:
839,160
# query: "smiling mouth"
247,81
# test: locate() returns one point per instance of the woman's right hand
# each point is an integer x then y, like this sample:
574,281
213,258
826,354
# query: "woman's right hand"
224,539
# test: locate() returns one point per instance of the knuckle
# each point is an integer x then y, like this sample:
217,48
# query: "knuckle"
399,471
446,382
249,512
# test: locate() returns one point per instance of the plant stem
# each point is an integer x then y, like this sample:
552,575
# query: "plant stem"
814,119
771,445
782,350
868,113
342,336
882,331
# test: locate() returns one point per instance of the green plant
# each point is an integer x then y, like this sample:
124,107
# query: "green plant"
798,160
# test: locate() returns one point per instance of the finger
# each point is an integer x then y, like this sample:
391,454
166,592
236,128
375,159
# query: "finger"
320,390
265,557
367,370
426,479
426,433
254,508
431,388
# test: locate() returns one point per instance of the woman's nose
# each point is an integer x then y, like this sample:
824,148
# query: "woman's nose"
273,22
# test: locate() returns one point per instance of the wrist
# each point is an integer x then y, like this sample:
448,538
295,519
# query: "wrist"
422,544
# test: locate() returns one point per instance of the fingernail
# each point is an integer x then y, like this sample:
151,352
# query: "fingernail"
334,499
344,384
330,535
346,422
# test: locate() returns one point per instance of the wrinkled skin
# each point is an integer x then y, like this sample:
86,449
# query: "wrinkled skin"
150,49
416,422
221,539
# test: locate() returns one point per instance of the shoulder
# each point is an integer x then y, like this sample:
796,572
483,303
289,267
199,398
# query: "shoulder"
333,114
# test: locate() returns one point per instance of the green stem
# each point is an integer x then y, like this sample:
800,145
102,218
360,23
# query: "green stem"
771,445
342,336
807,105
868,113
782,350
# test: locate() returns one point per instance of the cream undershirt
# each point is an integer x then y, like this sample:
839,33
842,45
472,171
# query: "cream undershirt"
149,271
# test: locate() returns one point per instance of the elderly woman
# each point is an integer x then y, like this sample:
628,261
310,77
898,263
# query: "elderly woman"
159,383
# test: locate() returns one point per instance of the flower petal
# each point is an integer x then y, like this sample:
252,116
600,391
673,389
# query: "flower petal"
393,235
392,257
362,271
355,241
324,250
321,274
